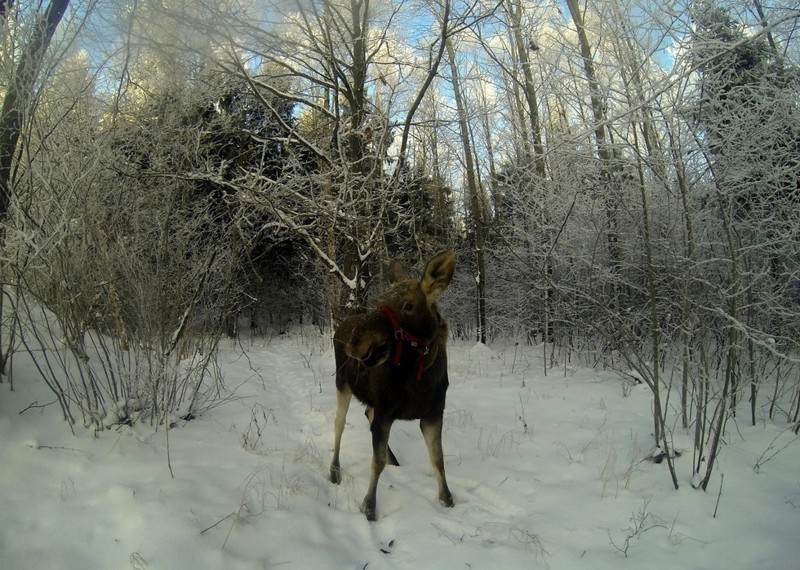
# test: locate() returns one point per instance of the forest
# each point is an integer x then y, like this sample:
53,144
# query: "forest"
620,180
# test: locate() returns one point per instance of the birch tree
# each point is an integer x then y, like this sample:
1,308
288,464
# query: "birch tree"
605,152
474,191
19,99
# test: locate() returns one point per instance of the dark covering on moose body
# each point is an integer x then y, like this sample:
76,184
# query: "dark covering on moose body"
394,360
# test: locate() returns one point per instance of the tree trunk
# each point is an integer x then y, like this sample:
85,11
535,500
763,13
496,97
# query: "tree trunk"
604,149
514,12
5,7
19,93
15,103
475,201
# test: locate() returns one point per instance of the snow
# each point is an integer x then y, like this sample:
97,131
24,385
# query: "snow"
547,471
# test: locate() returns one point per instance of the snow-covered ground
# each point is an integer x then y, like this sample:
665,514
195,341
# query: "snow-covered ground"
546,471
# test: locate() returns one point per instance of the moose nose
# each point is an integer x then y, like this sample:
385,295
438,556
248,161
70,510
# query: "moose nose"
370,347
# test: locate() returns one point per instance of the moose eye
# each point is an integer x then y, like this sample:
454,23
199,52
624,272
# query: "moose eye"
408,307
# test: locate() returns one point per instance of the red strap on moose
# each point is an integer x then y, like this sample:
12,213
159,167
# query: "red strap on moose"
402,336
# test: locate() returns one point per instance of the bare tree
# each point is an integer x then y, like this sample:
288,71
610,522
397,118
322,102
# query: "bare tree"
605,150
17,103
475,192
19,92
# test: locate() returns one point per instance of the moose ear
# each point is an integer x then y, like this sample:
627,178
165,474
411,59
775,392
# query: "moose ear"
438,274
396,272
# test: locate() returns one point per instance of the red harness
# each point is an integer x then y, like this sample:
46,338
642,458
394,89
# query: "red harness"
401,337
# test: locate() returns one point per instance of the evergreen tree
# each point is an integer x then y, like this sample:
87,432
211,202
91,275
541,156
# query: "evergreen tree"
747,114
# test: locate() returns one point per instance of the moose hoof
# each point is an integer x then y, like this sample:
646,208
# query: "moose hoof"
447,501
336,475
368,508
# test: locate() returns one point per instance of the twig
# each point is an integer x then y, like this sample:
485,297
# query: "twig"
233,524
218,522
721,481
169,458
36,404
761,460
60,447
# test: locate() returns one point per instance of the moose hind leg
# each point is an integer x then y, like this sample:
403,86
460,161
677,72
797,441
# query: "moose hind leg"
432,432
343,398
380,444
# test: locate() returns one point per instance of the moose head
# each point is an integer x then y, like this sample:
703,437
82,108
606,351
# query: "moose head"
407,312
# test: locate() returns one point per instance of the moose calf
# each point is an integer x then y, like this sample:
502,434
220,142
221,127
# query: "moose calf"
394,361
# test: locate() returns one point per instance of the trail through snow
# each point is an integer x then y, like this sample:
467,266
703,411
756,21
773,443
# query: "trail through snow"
547,471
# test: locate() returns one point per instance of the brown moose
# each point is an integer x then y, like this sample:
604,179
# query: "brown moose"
394,361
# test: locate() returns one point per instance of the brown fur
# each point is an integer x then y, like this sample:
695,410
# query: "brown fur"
364,345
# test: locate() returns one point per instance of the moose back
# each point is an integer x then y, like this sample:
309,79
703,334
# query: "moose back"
394,361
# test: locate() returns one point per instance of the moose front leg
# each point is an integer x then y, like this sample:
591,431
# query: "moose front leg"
392,460
432,432
380,445
343,398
